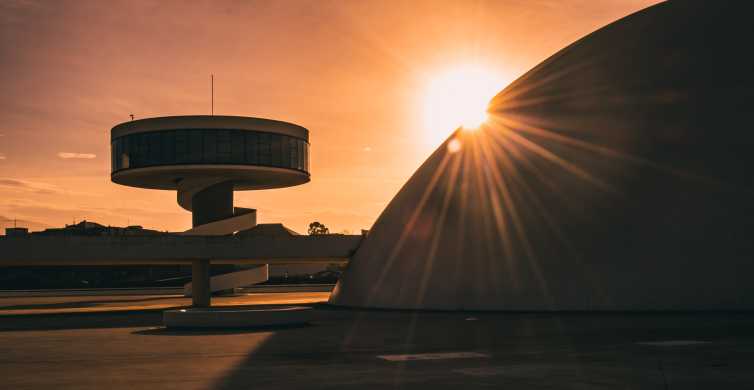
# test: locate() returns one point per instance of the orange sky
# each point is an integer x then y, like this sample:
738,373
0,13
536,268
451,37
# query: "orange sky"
352,72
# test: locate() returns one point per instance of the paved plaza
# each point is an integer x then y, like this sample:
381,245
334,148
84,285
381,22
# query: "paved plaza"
375,349
14,305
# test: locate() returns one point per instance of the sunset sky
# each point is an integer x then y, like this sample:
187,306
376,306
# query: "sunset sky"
358,74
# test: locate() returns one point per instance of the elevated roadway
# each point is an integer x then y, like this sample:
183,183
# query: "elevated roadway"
197,251
175,249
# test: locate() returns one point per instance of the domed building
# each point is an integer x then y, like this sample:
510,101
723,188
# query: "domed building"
616,175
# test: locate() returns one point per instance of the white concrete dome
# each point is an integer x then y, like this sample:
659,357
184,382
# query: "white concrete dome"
616,175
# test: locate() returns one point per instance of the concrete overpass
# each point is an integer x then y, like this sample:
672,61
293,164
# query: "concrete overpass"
199,251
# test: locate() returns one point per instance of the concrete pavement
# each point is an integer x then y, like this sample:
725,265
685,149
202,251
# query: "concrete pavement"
383,349
38,305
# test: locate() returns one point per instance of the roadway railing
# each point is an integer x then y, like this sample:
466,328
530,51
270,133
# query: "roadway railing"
174,249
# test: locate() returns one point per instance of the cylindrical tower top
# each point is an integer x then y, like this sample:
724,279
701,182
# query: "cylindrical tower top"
217,122
252,153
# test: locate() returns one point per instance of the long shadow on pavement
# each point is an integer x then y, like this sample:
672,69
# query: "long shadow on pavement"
347,348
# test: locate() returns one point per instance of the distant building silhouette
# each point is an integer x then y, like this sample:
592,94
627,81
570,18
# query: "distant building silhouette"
16,231
88,228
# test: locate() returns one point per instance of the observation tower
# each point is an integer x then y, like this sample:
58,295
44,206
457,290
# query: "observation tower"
205,159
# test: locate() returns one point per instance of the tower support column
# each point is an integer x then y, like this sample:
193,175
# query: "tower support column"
212,204
200,290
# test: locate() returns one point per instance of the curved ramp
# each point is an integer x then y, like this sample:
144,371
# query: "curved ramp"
242,219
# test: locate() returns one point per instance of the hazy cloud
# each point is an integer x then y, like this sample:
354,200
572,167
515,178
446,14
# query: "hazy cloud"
60,214
2,156
39,188
367,149
12,183
67,155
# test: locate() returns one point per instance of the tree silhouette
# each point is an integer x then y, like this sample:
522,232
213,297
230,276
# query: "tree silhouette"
316,228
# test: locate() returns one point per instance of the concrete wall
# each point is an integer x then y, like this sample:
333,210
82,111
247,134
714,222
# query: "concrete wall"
176,250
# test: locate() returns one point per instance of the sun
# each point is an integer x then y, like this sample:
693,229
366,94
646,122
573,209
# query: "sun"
458,97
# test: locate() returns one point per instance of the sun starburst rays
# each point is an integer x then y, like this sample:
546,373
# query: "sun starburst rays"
457,96
482,193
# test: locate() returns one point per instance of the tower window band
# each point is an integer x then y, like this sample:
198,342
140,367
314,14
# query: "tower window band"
197,146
